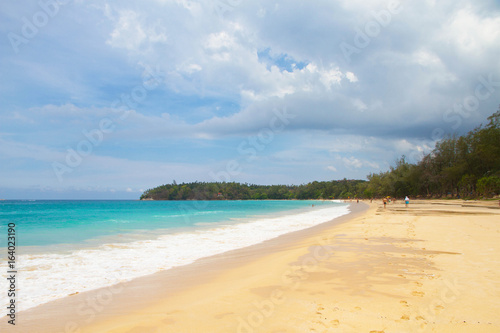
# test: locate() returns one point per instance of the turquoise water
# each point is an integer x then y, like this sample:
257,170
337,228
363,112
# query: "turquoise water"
43,222
64,247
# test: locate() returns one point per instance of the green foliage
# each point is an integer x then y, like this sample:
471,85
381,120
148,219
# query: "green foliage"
341,189
487,186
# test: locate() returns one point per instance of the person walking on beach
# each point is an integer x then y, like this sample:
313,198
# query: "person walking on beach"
385,202
407,201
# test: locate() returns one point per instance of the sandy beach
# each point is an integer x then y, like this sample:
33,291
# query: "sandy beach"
431,267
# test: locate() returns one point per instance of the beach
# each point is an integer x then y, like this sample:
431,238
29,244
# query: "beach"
430,267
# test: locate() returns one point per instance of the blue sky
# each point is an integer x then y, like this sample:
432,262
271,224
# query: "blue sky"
105,99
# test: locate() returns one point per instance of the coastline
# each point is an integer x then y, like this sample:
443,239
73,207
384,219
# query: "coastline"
80,309
100,254
430,267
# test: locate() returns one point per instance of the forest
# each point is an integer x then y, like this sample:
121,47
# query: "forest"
466,166
236,191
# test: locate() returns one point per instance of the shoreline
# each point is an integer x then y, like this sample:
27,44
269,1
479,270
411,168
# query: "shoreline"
109,259
79,309
429,267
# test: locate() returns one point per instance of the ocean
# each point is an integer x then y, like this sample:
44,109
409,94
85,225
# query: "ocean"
64,247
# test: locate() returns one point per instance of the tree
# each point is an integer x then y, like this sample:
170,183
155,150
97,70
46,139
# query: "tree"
489,186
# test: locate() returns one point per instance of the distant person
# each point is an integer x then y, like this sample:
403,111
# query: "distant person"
407,201
385,202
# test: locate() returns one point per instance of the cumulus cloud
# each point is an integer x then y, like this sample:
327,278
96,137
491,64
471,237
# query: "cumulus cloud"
220,54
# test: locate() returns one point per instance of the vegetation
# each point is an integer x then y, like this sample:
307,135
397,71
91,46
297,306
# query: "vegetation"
236,191
467,166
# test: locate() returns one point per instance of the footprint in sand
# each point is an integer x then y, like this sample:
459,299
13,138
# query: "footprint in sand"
418,283
404,303
320,308
335,323
438,308
321,323
418,293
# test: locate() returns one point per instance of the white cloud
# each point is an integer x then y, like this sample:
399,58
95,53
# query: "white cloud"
351,77
220,41
128,32
351,162
331,77
471,32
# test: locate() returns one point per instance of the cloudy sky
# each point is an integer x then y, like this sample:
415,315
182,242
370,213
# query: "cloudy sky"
104,99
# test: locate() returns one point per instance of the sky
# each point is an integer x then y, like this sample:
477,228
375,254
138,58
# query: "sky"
106,99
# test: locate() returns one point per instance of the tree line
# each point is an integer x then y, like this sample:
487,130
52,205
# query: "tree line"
236,191
467,166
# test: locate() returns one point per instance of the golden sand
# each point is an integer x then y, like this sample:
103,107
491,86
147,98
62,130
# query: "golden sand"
431,267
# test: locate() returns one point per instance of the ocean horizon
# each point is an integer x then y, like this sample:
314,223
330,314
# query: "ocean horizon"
89,244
